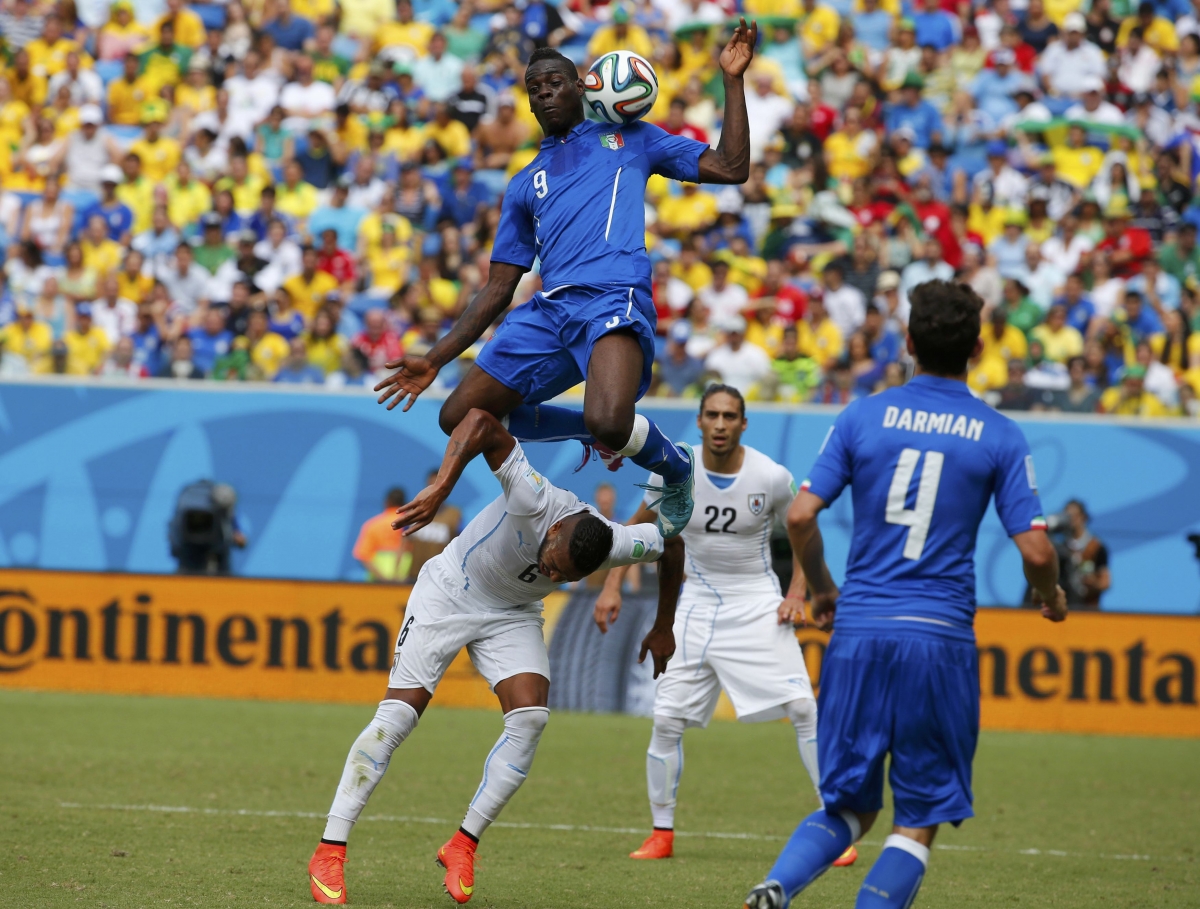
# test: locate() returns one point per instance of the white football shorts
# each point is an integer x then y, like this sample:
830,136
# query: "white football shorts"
740,647
437,625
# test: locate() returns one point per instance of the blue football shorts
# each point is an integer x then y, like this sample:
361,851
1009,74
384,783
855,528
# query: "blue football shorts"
913,696
543,347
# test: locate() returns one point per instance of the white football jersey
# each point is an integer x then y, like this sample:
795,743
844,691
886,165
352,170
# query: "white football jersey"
728,539
493,563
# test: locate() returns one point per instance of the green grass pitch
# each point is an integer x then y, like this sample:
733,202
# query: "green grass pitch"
62,757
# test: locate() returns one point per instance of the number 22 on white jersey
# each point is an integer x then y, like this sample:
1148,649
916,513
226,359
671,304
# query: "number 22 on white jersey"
918,518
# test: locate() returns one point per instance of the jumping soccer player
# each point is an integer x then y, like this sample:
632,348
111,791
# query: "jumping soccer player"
734,630
901,674
484,592
579,208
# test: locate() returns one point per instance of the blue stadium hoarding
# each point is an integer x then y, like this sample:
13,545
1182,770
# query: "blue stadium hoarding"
89,473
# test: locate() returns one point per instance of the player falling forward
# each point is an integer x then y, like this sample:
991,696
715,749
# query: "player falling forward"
579,208
484,592
733,631
900,675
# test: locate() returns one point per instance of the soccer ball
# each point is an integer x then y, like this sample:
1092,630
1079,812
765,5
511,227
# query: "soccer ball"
621,87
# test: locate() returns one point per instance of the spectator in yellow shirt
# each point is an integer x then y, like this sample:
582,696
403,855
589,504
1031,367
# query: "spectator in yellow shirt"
620,35
1157,31
1060,341
189,27
137,193
121,34
26,85
388,262
132,284
187,197
268,350
29,339
311,287
1077,162
128,94
404,31
819,26
690,268
325,346
245,187
849,151
87,344
1130,398
159,154
100,254
1001,341
293,196
364,18
452,135
818,336
14,113
687,213
48,54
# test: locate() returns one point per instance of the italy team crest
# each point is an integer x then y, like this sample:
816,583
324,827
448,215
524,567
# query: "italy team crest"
612,141
757,502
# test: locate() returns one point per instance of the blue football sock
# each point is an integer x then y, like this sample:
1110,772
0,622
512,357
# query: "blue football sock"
820,838
544,423
895,878
649,448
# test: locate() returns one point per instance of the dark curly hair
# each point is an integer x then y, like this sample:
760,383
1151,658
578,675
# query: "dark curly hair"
944,326
550,55
591,542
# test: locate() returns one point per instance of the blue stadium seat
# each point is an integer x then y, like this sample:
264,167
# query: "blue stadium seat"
109,70
211,14
124,135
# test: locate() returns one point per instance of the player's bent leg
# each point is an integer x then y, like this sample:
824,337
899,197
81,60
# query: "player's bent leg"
477,390
369,756
896,876
664,767
802,714
523,698
811,850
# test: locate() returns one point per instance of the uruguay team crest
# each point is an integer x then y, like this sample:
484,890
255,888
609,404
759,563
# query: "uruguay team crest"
757,502
612,141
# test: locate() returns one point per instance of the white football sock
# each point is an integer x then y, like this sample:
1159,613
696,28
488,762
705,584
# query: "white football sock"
368,759
637,438
506,766
664,767
803,715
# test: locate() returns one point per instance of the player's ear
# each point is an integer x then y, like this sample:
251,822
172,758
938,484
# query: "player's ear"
976,350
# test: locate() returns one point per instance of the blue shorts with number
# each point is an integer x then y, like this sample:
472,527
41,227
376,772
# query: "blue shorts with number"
914,696
543,347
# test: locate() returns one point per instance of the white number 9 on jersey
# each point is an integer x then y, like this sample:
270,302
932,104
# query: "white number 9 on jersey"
539,184
917,518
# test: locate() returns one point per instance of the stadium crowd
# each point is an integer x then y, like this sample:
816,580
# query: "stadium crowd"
299,190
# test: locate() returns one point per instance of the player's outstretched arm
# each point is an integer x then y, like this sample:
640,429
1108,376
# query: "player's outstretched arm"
660,642
608,604
1041,570
729,162
415,373
809,547
478,433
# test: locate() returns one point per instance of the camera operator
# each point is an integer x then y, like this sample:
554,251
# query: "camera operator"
1083,558
204,528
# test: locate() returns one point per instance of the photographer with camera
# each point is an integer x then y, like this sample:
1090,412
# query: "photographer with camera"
204,528
1083,558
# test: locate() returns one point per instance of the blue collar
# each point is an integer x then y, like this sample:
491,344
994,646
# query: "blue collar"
551,141
941,383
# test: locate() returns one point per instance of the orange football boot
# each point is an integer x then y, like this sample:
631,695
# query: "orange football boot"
458,858
659,845
847,858
326,875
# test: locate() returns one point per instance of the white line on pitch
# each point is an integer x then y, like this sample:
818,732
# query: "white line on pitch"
575,828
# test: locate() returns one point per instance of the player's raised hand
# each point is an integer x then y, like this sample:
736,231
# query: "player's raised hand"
792,610
823,607
412,376
738,53
420,511
660,644
608,607
1055,611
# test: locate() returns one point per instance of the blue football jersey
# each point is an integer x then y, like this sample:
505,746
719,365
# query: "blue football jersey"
922,462
580,204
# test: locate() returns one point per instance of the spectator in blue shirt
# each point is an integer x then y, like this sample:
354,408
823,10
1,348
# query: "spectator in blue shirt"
115,212
465,196
873,26
211,340
1080,310
993,89
296,370
147,341
676,369
317,164
883,341
340,216
1138,318
918,115
289,30
935,27
1154,282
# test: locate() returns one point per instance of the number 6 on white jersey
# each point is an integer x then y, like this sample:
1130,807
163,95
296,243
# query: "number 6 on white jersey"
539,184
917,518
